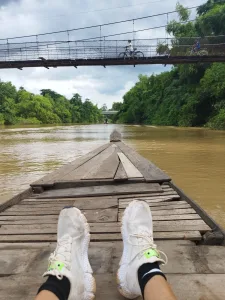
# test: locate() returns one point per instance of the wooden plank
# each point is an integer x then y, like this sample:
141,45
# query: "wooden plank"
130,169
105,167
101,215
86,168
157,199
8,202
105,256
163,193
218,237
173,209
61,172
113,227
161,212
150,172
175,204
121,174
81,203
103,190
37,238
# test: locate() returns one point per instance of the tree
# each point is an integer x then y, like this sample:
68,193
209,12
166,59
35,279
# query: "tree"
50,107
116,106
104,107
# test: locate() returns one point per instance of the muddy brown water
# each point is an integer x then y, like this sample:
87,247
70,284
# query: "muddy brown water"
194,158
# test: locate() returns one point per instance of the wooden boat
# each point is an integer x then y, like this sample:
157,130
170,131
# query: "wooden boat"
101,184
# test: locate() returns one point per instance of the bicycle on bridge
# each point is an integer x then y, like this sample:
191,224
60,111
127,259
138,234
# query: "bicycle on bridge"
131,52
196,50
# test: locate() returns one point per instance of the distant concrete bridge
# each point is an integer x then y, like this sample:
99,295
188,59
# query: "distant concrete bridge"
109,112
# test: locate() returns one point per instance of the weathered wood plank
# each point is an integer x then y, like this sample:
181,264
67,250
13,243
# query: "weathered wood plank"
36,238
81,203
175,204
163,211
103,190
150,172
49,219
100,215
173,209
121,174
130,169
10,201
106,166
91,166
111,227
183,257
157,199
143,196
115,136
61,172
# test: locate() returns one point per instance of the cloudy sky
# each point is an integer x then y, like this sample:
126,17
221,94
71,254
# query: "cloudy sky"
101,85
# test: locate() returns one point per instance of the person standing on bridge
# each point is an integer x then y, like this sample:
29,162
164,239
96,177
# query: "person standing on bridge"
69,271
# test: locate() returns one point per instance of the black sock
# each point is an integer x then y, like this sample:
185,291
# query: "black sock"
146,272
61,288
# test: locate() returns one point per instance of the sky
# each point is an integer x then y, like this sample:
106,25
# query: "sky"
101,85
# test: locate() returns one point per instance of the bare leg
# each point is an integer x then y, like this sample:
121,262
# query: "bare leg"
157,288
46,295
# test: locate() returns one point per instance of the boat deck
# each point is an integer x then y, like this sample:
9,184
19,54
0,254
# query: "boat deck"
101,184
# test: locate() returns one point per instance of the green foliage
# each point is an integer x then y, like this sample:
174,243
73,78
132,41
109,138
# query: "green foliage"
212,22
22,107
188,95
183,13
218,121
162,48
116,106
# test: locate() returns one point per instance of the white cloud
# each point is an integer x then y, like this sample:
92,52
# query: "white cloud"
24,17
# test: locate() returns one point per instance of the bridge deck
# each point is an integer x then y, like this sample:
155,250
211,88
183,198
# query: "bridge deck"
165,60
101,184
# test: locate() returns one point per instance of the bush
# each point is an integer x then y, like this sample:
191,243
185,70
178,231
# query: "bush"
28,121
218,121
2,121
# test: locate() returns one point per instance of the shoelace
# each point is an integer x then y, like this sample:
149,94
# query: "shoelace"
149,245
63,247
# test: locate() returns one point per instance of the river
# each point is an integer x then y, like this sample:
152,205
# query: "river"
193,157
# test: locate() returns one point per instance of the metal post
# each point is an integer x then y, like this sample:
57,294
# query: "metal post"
8,47
26,50
68,34
116,49
37,45
100,39
166,29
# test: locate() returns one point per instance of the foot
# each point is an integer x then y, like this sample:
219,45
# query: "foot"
138,247
70,259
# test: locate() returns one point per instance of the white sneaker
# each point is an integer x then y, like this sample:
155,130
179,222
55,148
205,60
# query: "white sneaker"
70,259
138,247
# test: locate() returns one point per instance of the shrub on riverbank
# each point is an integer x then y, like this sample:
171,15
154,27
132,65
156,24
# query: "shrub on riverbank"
218,121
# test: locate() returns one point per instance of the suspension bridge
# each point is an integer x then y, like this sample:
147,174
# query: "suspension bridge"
69,48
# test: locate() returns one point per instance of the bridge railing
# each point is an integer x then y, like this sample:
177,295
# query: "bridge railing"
107,49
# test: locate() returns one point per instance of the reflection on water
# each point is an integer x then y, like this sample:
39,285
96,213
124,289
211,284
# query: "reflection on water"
194,158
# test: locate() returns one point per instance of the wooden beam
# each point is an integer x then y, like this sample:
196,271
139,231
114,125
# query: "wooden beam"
150,172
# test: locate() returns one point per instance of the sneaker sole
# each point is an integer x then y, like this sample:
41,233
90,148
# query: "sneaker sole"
89,280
